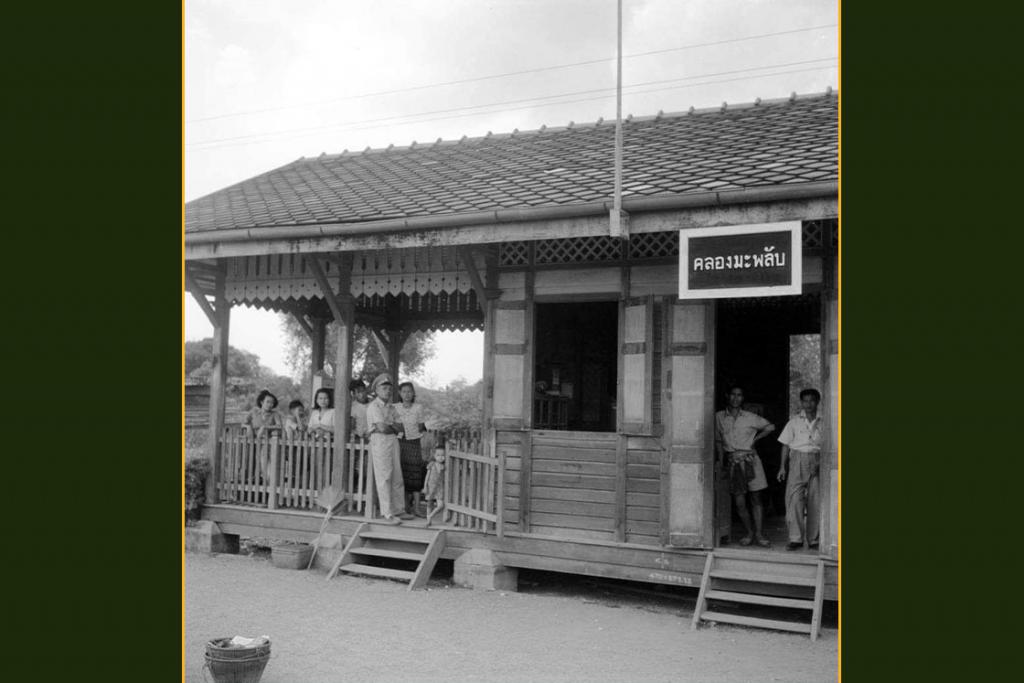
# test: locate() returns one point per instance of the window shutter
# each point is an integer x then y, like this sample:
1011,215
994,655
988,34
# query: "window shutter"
636,318
511,325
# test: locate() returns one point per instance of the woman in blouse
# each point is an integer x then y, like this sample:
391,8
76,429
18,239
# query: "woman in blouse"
321,418
411,415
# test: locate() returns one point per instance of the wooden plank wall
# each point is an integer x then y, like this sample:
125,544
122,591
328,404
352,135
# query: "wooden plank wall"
572,491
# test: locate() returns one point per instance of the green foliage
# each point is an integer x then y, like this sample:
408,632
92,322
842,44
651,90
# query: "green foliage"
367,361
458,406
196,471
246,376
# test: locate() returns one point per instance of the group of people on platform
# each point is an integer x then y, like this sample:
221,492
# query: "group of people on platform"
736,432
393,431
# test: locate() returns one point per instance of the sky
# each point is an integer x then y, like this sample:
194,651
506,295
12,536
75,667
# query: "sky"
269,81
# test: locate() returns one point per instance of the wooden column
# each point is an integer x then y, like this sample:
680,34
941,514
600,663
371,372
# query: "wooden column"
691,454
829,477
218,385
342,306
491,293
318,340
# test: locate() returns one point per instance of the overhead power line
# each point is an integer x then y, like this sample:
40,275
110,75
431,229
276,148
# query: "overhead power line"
392,121
476,79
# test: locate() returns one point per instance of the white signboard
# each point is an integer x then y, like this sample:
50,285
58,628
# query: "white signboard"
763,259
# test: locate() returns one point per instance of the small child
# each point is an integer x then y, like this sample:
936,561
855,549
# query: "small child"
295,423
433,489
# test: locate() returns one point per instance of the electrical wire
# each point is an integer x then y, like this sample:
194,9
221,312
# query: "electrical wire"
503,75
232,142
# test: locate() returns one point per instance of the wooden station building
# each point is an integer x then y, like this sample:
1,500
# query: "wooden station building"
600,381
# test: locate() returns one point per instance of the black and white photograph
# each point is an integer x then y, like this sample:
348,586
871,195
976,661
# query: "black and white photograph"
511,341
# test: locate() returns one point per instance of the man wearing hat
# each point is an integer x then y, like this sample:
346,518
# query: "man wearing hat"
381,418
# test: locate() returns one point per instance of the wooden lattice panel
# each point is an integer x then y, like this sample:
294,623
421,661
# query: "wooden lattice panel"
579,250
648,245
514,254
813,234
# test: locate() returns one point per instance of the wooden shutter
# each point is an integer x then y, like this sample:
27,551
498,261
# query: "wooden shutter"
512,323
636,330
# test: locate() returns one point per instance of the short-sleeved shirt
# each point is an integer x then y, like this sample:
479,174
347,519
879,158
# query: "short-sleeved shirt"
737,433
359,413
321,418
379,411
258,419
412,418
801,434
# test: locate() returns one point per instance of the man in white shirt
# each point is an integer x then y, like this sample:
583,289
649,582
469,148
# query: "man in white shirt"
736,431
387,465
801,449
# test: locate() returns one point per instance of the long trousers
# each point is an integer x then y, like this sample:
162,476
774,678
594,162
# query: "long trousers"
387,473
802,495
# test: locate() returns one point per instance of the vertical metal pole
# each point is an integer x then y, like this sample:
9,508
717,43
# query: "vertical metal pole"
616,214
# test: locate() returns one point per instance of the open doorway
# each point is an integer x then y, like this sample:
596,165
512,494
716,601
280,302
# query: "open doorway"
771,347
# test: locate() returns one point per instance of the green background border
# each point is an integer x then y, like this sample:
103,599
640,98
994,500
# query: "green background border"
93,374
93,112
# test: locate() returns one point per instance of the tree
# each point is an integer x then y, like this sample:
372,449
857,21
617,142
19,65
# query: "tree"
457,406
246,376
367,361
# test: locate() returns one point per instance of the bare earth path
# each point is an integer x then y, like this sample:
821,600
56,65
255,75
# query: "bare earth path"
366,630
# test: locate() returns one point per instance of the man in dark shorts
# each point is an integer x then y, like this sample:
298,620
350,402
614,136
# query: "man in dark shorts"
736,431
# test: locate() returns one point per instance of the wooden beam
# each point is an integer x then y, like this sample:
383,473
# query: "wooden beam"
325,286
582,226
197,294
306,327
483,293
382,346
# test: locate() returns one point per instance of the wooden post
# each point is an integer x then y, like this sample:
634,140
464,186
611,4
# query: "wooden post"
343,370
218,386
620,400
342,306
318,340
396,340
828,479
491,292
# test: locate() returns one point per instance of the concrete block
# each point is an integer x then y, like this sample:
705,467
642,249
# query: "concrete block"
205,536
480,569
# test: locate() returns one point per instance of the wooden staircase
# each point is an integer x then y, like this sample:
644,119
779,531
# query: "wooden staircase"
402,553
737,578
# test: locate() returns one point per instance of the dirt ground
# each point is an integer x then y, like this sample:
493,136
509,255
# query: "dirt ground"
557,628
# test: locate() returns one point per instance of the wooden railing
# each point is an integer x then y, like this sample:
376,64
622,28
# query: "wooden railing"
472,482
287,471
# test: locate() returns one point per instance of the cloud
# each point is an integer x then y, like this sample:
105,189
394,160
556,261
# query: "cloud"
234,67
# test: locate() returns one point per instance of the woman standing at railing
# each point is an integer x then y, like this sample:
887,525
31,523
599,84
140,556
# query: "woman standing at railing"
411,415
321,418
263,421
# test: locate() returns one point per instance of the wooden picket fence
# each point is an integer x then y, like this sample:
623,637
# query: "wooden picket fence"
286,471
289,472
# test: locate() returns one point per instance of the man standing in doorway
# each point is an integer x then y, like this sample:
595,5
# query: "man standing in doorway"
736,432
801,449
387,465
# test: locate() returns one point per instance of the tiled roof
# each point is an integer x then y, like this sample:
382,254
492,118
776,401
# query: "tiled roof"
771,143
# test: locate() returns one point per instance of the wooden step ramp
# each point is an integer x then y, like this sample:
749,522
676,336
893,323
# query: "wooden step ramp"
402,553
735,579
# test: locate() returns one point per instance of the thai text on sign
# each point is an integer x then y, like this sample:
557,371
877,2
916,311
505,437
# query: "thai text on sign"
740,261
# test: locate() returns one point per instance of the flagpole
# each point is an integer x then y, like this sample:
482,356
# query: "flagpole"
616,213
